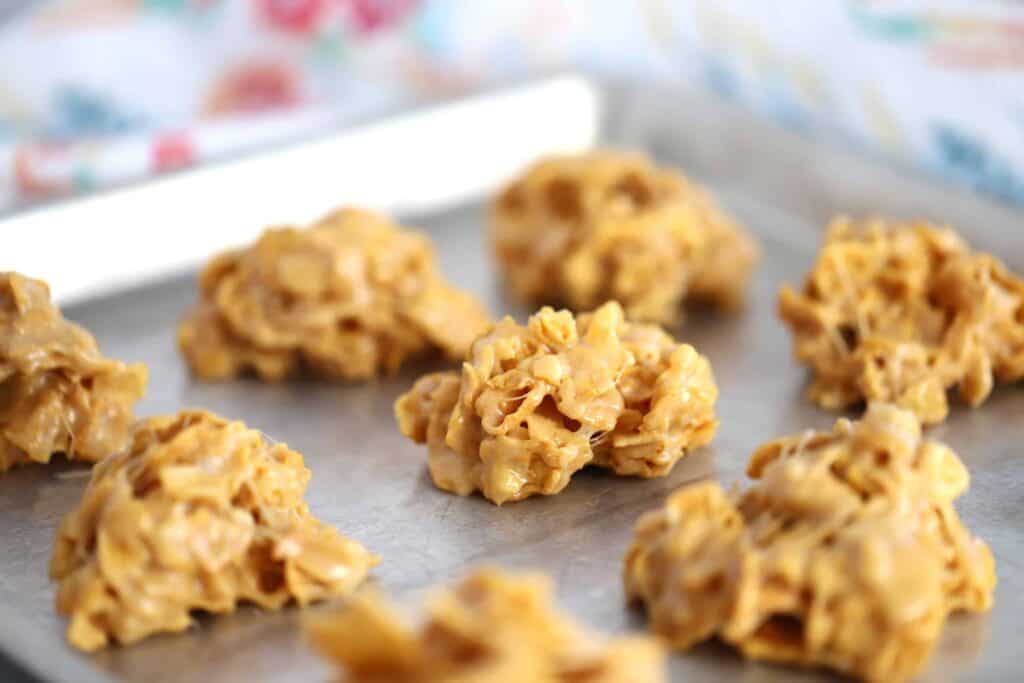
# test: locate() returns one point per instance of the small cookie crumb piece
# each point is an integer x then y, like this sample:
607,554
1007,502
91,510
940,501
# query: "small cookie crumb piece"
611,226
902,312
847,552
348,298
197,514
535,403
58,393
490,627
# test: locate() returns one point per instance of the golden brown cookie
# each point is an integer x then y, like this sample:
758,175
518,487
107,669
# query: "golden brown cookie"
902,312
58,393
199,513
846,552
350,297
611,226
490,627
535,403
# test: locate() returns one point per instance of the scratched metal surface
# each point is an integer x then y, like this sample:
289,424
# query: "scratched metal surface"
373,484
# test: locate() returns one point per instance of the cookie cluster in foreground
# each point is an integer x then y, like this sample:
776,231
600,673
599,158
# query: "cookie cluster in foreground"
350,297
198,514
58,393
490,627
847,552
903,312
609,226
536,403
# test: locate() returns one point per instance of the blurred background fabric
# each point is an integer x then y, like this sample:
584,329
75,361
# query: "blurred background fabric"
100,92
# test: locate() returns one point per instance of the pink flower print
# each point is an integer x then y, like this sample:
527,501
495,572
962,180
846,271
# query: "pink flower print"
43,169
172,151
369,16
293,16
254,87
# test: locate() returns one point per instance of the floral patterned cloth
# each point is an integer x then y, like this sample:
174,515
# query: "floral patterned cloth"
98,92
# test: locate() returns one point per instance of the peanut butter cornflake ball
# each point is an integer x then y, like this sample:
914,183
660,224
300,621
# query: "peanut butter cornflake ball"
846,552
903,312
350,297
490,627
58,393
610,226
197,514
535,403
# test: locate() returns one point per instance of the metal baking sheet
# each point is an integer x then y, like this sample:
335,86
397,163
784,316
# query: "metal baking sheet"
373,484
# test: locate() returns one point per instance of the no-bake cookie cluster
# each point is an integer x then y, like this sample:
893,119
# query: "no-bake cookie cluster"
490,627
607,226
58,393
535,403
847,552
197,514
901,312
350,297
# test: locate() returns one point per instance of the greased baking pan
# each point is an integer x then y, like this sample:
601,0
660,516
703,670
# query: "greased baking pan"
373,484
